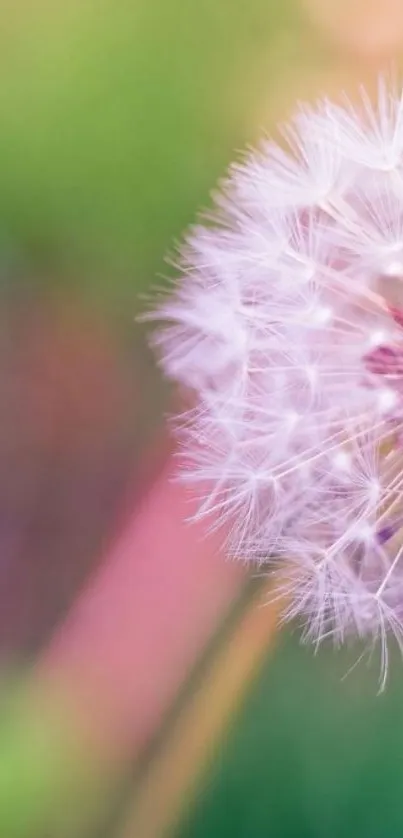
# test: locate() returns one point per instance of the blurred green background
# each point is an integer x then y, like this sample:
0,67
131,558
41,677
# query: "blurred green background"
316,752
117,117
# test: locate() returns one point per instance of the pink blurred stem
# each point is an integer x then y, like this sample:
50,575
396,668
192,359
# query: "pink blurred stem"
136,629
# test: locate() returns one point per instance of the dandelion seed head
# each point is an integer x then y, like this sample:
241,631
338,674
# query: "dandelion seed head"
286,325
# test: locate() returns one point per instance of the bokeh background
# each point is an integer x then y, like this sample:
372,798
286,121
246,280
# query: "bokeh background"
147,689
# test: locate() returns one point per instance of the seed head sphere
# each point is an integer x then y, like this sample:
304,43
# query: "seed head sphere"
286,325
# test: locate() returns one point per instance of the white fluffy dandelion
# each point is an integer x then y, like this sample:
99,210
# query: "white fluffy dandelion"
287,327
